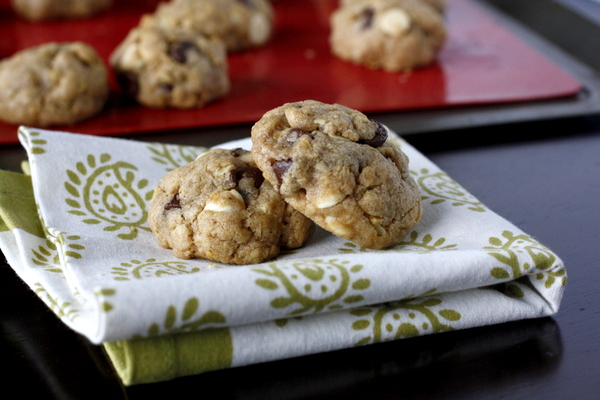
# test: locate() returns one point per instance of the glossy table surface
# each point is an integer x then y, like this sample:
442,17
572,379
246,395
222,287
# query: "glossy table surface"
546,180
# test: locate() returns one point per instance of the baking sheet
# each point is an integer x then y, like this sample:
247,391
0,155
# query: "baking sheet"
482,63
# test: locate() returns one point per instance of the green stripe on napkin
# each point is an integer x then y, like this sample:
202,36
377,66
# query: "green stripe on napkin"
167,357
17,204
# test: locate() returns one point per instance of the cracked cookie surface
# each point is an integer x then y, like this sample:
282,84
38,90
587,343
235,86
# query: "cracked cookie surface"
337,167
394,35
220,208
52,84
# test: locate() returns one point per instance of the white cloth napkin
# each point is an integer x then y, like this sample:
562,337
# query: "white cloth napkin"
100,270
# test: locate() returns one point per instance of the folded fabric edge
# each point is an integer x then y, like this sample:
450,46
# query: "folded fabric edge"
22,232
162,358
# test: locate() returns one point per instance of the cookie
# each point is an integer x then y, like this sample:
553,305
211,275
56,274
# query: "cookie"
241,25
40,10
439,5
394,35
336,166
220,208
170,67
52,84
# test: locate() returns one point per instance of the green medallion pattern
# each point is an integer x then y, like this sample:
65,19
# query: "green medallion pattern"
47,256
437,188
103,293
310,286
174,156
109,194
136,269
507,249
61,308
414,244
188,320
408,318
35,144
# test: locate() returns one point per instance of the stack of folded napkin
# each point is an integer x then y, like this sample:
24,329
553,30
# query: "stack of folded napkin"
76,232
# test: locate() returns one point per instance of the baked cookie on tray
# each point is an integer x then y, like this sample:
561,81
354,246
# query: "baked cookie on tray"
220,208
241,25
439,5
336,166
52,84
170,67
394,35
40,10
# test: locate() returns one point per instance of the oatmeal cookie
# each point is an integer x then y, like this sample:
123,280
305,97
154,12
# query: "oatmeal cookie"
170,67
220,208
394,35
439,5
239,24
52,84
337,167
41,10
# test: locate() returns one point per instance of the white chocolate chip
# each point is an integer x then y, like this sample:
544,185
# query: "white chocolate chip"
334,227
259,29
330,200
224,171
225,201
377,222
130,58
320,121
394,22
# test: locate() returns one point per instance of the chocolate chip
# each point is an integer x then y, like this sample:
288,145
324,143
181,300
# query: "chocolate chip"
178,50
247,172
166,87
238,152
379,138
367,18
174,203
128,81
295,134
280,167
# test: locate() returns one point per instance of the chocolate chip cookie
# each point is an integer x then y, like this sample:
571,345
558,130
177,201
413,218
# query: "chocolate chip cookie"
240,24
170,67
220,208
40,10
337,167
394,35
52,84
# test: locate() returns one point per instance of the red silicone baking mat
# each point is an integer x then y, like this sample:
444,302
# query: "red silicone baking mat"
482,62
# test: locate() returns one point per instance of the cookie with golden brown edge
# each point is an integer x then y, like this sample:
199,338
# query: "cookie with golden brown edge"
337,167
220,208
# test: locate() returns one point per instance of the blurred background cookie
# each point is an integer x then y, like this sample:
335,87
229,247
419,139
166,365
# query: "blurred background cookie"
394,35
239,24
39,10
163,66
52,84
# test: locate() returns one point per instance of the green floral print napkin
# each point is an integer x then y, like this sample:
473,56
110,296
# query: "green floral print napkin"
76,232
